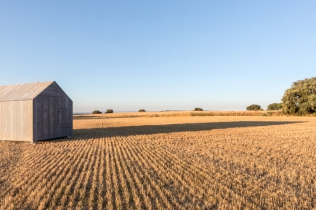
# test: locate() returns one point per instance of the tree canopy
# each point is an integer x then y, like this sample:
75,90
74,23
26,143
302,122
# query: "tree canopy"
96,112
254,107
301,97
275,106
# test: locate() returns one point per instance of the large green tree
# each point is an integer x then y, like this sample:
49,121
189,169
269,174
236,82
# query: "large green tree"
301,97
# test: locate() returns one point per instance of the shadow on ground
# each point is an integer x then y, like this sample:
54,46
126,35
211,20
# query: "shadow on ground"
80,134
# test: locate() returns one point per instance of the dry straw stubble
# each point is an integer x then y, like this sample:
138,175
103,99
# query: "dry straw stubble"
163,163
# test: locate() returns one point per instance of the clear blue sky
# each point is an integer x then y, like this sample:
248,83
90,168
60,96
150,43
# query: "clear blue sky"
158,55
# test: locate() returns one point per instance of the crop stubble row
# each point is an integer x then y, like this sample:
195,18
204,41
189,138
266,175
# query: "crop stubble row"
166,163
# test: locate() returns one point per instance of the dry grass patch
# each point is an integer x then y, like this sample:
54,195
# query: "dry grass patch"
177,114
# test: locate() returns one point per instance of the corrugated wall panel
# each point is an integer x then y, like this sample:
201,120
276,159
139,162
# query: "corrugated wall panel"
0,120
53,125
16,121
45,117
24,120
51,121
66,116
9,120
19,120
37,123
70,131
41,118
52,114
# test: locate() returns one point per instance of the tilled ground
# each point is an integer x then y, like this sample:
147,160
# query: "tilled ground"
166,163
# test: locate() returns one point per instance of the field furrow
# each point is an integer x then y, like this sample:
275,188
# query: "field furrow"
166,163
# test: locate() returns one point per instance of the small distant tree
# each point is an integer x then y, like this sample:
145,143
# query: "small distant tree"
275,106
198,109
254,107
96,112
109,111
300,98
142,110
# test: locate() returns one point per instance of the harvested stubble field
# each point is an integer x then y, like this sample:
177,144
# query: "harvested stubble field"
166,163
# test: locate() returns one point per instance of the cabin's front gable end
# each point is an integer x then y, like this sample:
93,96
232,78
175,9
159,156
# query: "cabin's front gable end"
52,114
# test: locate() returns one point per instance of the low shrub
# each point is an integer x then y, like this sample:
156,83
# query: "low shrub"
109,111
142,110
254,107
198,109
96,112
270,113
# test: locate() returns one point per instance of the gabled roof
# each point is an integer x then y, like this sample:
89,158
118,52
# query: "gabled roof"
22,91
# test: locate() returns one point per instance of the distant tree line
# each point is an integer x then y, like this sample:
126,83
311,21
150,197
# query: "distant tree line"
99,112
111,111
299,99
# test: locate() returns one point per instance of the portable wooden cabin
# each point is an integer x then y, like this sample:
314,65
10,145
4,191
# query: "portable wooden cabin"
36,111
